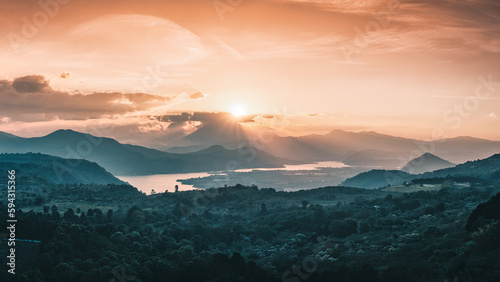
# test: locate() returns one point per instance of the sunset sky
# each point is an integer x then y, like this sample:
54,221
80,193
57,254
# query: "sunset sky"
404,68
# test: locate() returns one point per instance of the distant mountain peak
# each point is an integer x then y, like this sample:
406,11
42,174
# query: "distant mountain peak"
429,155
427,162
65,132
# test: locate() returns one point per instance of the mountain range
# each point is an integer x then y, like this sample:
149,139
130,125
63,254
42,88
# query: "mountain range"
366,148
223,145
124,159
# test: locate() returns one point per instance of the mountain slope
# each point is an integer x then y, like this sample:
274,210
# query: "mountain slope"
365,148
123,159
480,168
244,157
57,170
218,132
5,135
426,163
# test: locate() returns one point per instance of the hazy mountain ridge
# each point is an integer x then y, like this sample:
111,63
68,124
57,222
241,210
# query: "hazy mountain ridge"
365,148
369,149
124,159
57,170
393,151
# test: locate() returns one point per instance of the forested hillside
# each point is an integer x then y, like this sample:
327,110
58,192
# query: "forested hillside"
101,233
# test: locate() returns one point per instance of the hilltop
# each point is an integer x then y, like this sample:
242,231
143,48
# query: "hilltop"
426,163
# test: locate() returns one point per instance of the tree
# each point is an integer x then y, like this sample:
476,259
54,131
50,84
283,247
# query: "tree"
69,215
263,208
109,214
135,217
304,204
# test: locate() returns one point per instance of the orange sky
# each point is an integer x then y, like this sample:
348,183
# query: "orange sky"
398,67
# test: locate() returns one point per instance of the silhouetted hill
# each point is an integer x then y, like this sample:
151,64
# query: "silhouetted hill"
56,170
123,159
426,163
377,178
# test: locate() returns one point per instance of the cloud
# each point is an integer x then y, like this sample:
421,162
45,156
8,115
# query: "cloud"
183,119
195,116
247,118
30,84
65,74
493,115
197,95
30,98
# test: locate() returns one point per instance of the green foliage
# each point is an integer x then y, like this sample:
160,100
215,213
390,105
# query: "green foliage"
370,236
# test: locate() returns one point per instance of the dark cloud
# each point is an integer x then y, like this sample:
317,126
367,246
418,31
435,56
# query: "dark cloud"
30,98
184,118
197,95
30,84
179,120
196,116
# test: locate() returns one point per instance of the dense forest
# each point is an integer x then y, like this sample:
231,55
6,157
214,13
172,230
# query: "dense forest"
77,232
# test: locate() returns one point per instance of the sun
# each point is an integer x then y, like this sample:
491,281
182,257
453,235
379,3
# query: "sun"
237,110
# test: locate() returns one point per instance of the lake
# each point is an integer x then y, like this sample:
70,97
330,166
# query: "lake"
166,182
